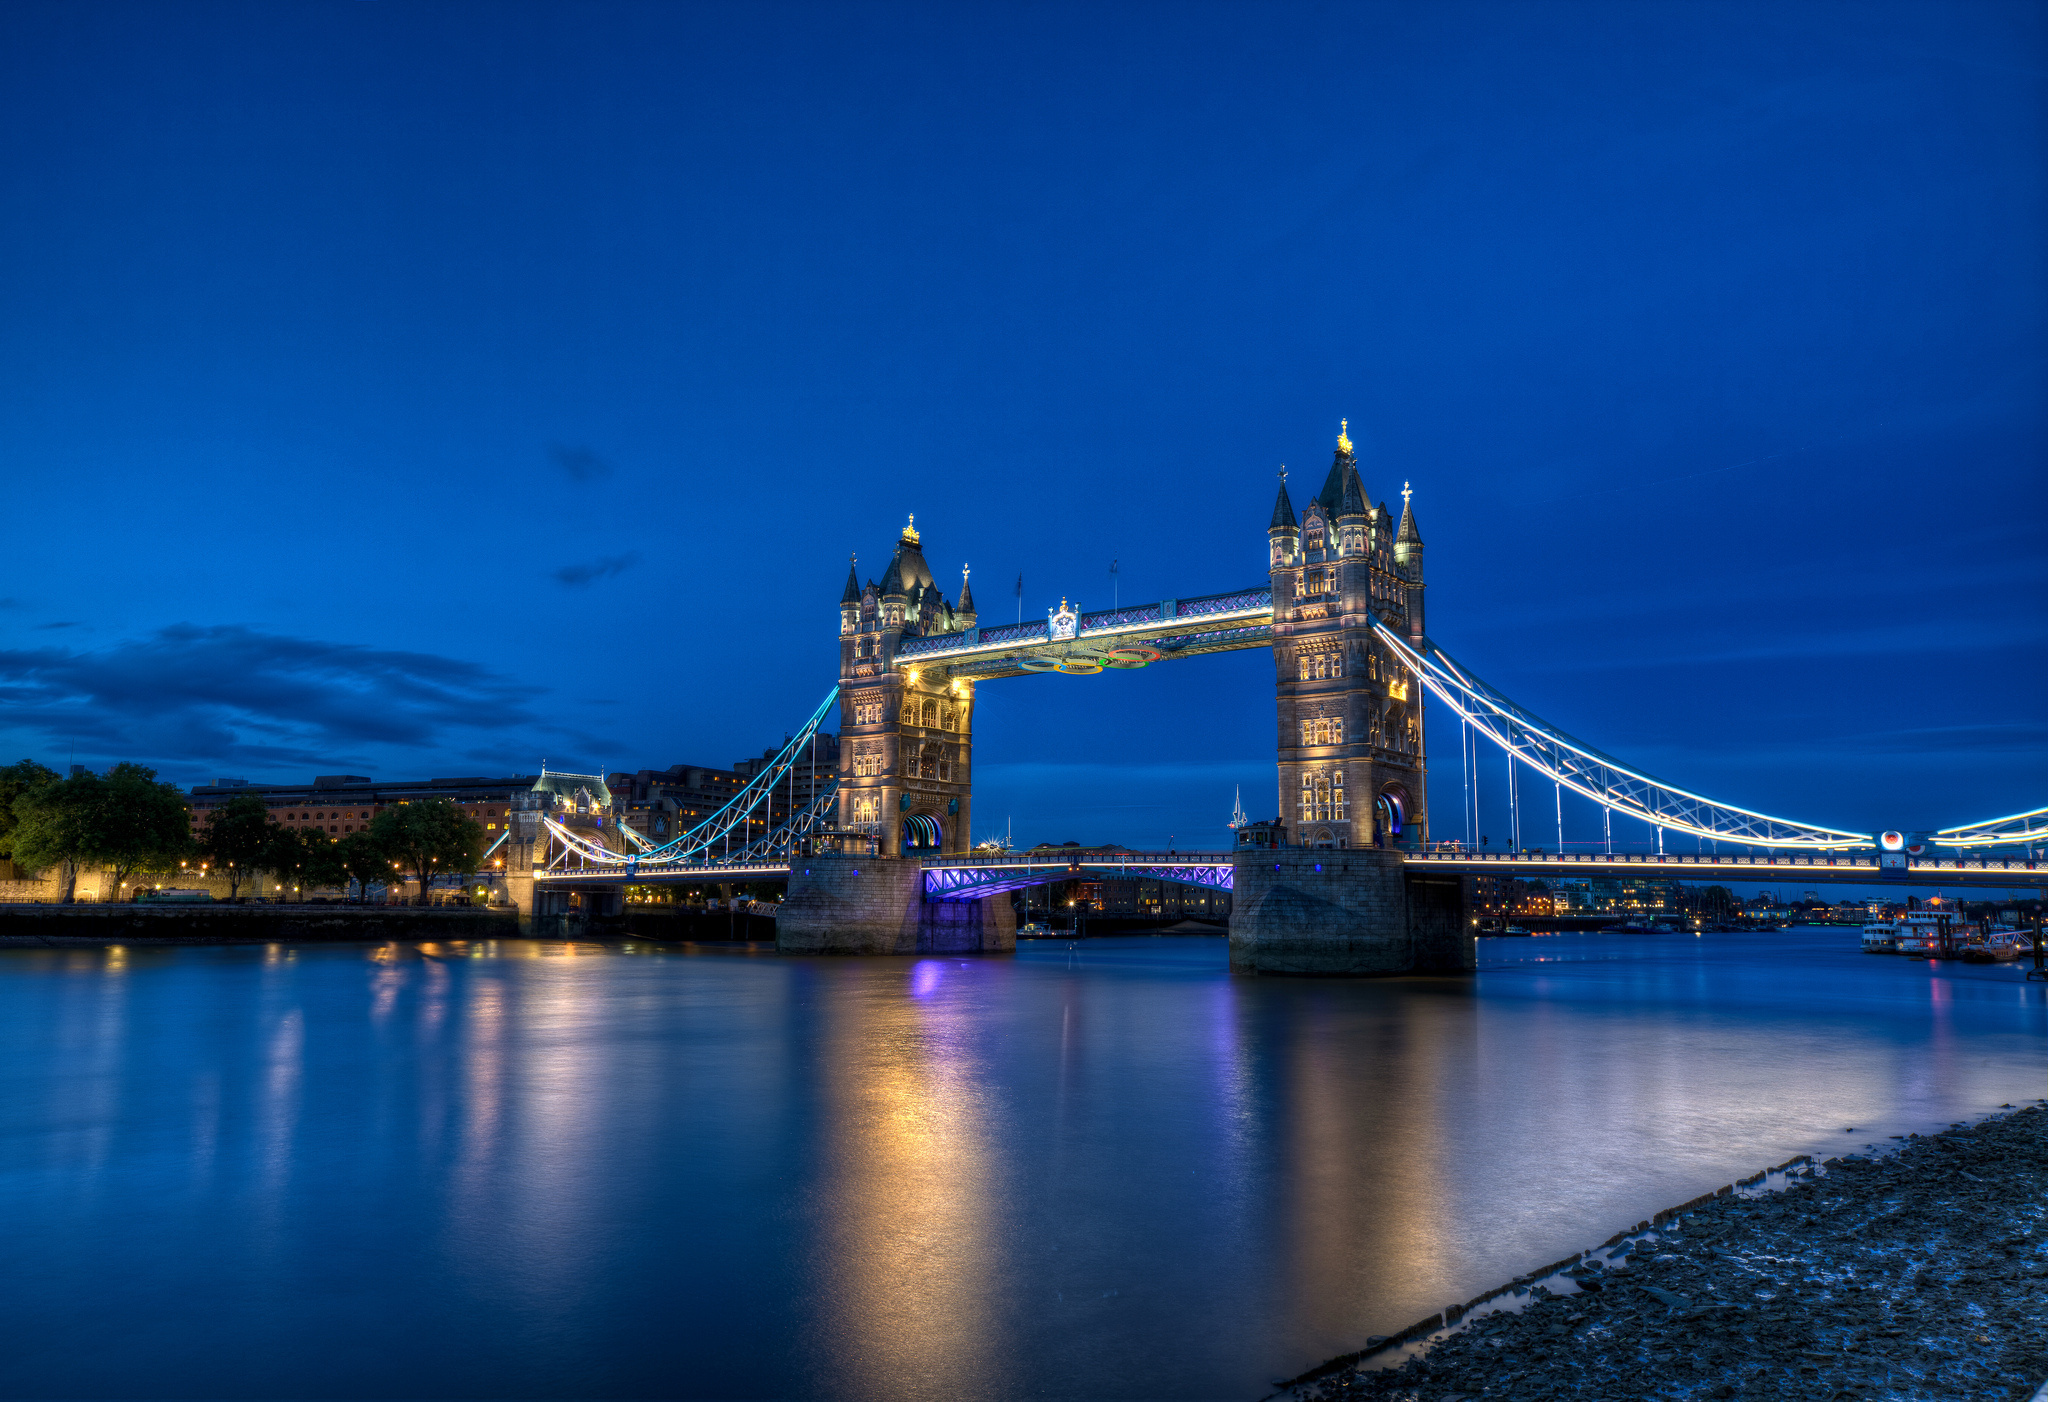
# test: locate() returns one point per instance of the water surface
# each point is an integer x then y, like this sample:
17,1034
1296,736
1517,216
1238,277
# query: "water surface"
556,1170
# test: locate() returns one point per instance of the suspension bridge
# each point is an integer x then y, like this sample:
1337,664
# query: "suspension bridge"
1351,871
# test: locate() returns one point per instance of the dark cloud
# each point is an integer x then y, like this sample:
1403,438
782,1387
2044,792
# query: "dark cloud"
229,694
581,464
46,627
583,576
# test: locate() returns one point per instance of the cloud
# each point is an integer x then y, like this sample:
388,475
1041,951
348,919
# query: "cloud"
46,627
583,576
10,603
230,694
581,464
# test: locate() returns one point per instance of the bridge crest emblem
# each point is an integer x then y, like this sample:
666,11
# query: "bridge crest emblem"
1062,622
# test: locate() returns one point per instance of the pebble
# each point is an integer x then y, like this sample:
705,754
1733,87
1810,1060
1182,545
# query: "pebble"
1899,1276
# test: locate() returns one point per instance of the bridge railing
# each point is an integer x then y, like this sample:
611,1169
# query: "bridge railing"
1682,860
1071,856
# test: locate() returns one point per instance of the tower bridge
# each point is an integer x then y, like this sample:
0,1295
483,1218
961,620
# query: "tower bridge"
1350,882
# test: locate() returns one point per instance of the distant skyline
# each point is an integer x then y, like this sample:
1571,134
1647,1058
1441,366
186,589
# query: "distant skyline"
430,389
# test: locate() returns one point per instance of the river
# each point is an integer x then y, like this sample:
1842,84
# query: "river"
530,1169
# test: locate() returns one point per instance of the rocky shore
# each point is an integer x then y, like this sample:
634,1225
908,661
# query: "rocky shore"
1918,1272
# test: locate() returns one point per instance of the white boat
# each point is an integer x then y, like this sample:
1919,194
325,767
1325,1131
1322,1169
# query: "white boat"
1920,933
1882,937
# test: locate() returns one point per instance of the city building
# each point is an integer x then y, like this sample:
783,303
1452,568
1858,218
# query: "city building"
339,804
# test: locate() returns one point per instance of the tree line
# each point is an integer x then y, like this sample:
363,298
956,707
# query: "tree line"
129,823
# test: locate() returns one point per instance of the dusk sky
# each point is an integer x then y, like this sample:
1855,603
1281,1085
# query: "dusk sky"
411,389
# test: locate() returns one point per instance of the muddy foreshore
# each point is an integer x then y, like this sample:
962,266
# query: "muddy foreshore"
1920,1272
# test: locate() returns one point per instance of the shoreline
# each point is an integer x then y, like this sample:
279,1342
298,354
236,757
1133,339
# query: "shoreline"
97,926
1896,1274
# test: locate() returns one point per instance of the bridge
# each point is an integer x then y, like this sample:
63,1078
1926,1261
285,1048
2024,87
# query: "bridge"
1352,881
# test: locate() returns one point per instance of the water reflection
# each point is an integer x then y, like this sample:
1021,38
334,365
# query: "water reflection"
554,1169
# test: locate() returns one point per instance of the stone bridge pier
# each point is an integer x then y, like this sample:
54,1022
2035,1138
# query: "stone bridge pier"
876,905
1349,911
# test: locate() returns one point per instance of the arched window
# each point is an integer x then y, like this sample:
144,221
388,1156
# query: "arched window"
931,714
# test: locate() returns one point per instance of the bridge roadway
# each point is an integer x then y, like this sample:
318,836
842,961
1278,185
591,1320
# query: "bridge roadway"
970,876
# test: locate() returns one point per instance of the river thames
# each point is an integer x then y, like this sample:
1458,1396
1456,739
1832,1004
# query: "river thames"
531,1169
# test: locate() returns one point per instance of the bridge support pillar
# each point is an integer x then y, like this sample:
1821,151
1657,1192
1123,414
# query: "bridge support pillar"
876,905
519,888
1353,911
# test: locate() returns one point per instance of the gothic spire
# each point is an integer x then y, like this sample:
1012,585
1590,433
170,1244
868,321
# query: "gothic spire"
892,578
1353,502
966,594
1342,466
1409,535
1283,509
852,593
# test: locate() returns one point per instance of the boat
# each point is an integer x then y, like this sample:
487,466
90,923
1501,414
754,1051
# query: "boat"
2001,945
1920,934
1034,931
1514,930
1640,927
1882,937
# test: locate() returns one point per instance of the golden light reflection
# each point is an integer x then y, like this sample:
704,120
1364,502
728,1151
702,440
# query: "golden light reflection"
915,1193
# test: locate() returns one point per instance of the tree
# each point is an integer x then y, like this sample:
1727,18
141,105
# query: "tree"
429,838
286,855
364,858
240,839
55,826
322,864
16,780
143,825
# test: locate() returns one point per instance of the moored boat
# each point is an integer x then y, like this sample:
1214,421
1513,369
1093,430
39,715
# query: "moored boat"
1996,946
1882,937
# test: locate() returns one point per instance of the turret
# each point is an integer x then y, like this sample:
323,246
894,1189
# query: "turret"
1408,557
849,598
964,615
1284,534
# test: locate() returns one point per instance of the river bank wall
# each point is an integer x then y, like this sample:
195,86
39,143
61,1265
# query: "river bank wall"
46,926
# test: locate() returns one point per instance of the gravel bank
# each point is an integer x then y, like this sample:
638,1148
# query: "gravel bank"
1916,1273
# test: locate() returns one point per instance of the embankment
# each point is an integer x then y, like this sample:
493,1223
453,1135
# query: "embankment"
58,925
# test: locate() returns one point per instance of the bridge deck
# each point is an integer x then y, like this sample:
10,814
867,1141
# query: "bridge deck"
1713,869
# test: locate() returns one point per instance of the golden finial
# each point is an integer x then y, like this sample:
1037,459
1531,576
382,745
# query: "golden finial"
910,531
1406,492
1344,436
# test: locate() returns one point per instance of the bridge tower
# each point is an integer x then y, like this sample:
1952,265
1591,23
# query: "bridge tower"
1352,763
1334,897
906,734
905,780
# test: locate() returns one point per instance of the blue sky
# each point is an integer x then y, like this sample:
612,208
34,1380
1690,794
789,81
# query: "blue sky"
409,389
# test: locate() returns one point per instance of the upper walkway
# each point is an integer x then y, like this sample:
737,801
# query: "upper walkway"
1241,618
